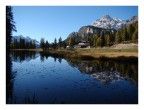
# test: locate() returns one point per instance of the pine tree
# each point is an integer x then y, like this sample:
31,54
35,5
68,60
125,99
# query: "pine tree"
55,43
42,43
111,36
107,40
33,44
30,44
136,25
68,41
102,38
98,42
27,45
10,26
130,30
60,42
124,34
90,39
118,37
15,44
47,45
94,38
22,43
71,42
135,35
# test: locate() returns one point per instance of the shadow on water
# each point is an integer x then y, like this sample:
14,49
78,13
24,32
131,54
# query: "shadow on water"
105,71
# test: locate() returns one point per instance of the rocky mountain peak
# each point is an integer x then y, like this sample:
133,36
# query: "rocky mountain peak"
108,22
106,18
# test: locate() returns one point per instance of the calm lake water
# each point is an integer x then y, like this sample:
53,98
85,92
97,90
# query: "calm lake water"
43,79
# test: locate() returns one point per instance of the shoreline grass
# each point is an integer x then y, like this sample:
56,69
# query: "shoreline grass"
89,54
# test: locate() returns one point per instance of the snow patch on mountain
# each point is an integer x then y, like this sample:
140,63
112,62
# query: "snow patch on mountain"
108,22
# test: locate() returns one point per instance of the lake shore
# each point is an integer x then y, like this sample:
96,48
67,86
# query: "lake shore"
89,54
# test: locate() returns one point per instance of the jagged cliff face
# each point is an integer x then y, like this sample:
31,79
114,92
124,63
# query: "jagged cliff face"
89,30
83,31
108,22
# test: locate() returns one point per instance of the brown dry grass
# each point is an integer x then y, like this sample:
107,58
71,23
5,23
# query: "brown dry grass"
110,53
95,53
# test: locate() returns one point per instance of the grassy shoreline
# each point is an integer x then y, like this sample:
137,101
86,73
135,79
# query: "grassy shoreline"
90,54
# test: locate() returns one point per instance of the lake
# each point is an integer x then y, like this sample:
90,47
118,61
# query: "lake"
39,78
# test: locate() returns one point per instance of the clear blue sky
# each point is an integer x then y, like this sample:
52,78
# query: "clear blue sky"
52,22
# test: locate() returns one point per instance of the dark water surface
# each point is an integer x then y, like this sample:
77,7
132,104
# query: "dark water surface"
43,79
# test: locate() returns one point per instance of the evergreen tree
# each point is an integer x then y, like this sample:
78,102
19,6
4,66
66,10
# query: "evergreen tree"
124,34
111,36
27,45
71,41
22,43
90,39
15,44
42,43
108,40
118,37
33,44
98,42
10,26
47,45
60,42
95,37
135,35
55,43
102,38
136,25
130,30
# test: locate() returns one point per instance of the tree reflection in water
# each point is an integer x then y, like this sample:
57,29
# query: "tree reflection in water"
9,80
105,71
108,71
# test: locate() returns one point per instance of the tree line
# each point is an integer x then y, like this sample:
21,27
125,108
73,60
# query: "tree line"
22,44
108,38
104,38
45,45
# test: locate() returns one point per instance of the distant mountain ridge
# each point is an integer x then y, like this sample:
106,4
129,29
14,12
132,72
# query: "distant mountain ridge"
108,22
27,39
